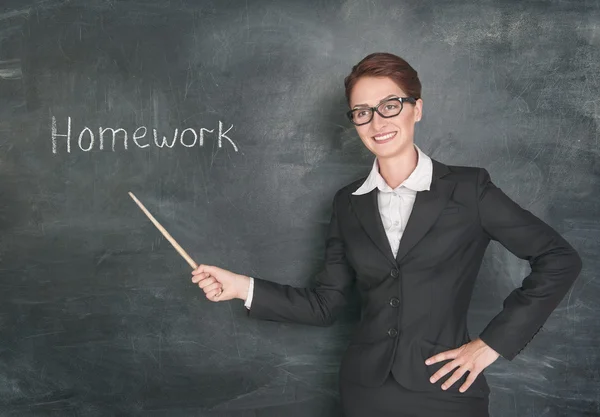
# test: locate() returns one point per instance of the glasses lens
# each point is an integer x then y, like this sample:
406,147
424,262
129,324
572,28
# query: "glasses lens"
390,108
360,116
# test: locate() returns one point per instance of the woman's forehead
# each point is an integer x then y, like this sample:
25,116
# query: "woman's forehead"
370,91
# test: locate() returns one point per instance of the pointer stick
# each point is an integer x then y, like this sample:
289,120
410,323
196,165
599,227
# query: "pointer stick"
166,234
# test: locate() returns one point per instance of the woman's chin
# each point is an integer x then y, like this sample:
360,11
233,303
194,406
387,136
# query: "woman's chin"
392,148
387,152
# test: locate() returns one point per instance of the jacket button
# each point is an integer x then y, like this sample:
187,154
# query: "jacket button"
395,273
394,302
392,333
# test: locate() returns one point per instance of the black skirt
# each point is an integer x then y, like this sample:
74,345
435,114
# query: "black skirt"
393,400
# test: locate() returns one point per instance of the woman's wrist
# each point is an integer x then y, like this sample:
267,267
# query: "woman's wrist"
244,287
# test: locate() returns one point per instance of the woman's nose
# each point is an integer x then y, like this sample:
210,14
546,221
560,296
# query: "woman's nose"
377,122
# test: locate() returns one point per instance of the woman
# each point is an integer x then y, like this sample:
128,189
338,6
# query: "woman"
411,236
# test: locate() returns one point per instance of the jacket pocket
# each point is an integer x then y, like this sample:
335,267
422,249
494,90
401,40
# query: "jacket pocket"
450,210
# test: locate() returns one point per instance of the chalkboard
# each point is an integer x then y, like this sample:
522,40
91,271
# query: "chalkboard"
226,119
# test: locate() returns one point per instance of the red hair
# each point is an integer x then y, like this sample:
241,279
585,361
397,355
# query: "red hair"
383,64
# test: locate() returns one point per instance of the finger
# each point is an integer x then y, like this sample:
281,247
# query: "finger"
470,379
212,287
214,295
199,277
443,371
456,375
206,282
449,354
210,269
203,268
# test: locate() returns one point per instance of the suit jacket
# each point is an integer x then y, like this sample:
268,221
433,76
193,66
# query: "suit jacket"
415,305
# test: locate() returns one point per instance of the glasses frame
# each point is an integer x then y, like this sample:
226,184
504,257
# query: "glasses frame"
401,100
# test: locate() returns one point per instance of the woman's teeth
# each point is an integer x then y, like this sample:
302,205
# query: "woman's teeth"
385,137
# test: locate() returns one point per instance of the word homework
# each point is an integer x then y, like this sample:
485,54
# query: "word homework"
87,138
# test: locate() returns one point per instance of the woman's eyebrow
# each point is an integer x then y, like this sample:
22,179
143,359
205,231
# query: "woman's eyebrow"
366,105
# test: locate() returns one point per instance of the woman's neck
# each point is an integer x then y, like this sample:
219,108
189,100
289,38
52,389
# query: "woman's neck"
397,169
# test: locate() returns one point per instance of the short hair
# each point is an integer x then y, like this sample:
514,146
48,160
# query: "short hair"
383,64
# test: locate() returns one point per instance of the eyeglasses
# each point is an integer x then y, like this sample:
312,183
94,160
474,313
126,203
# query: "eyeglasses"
387,108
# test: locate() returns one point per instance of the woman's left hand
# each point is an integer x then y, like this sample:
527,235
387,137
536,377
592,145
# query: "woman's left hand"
472,357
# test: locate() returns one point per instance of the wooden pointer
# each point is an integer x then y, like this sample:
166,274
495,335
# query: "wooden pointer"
166,234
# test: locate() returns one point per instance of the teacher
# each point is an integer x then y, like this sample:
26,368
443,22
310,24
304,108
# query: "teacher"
411,236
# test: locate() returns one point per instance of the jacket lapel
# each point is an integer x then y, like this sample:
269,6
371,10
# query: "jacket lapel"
367,210
428,206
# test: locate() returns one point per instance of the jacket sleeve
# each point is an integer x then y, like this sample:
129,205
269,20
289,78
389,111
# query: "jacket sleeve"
318,305
554,267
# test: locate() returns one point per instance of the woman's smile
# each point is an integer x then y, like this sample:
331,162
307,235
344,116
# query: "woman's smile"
384,137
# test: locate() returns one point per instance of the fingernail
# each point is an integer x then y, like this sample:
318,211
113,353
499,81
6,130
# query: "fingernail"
444,387
427,362
432,380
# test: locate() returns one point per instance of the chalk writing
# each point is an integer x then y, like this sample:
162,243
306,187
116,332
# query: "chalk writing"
118,138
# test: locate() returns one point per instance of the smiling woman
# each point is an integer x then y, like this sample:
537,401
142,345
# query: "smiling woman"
392,232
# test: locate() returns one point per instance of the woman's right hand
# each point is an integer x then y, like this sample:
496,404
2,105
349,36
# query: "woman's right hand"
220,284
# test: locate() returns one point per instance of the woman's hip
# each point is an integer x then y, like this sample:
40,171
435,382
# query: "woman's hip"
393,400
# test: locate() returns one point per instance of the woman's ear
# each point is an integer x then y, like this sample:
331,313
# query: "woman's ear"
418,110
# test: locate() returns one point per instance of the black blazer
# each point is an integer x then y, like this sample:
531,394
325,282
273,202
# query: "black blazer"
415,305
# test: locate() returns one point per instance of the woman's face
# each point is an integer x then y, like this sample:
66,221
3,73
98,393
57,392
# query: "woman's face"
385,137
